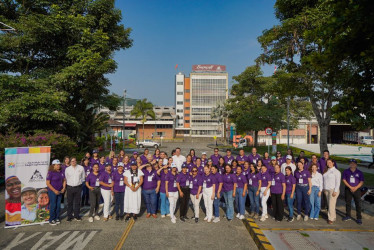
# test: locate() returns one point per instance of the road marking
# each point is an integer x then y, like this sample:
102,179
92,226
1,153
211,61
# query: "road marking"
124,235
258,236
313,229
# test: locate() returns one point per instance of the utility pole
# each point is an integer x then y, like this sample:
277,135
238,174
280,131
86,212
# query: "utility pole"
288,123
124,127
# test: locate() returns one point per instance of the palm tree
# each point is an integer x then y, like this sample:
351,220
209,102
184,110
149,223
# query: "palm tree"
143,109
221,114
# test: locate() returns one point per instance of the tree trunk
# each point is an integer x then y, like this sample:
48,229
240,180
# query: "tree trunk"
255,139
224,132
323,136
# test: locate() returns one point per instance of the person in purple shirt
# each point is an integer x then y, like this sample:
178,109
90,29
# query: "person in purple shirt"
126,163
209,185
289,152
109,158
85,191
302,155
106,185
241,158
266,160
118,191
93,184
56,184
229,191
228,157
234,166
204,159
157,154
151,187
199,166
121,155
188,163
95,157
134,156
215,157
218,188
273,162
183,185
144,156
246,168
63,167
241,191
303,190
290,192
279,158
114,164
264,191
193,155
323,160
102,164
259,165
164,201
221,165
172,190
254,187
278,191
353,180
196,183
254,157
314,161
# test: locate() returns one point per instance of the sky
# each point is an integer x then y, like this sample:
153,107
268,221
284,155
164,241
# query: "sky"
186,32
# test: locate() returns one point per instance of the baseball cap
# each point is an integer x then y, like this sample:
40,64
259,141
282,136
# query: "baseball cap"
203,153
56,162
289,157
273,158
95,151
135,153
173,165
184,166
120,164
25,189
353,160
133,163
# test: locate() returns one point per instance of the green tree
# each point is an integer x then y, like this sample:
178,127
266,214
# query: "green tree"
143,109
58,57
221,113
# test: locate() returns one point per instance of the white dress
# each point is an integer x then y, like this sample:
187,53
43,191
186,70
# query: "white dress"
132,199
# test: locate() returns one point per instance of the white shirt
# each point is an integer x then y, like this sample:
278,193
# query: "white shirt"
332,179
178,160
317,180
284,165
74,175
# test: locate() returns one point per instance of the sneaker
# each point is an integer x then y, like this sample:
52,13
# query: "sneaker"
266,216
106,219
263,218
298,217
306,218
168,215
347,218
90,219
238,215
182,219
206,218
69,220
117,217
78,219
126,219
290,219
58,221
110,217
255,216
241,217
97,217
163,216
359,221
62,206
229,220
252,214
216,220
52,223
209,220
186,218
315,218
173,220
196,220
135,217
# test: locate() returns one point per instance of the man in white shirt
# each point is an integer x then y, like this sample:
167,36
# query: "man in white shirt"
288,163
75,176
178,159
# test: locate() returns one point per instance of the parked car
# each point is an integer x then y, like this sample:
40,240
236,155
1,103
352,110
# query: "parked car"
147,144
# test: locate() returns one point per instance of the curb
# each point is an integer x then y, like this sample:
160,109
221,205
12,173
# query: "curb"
257,235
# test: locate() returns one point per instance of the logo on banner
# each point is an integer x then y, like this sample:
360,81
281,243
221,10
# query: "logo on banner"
11,165
36,176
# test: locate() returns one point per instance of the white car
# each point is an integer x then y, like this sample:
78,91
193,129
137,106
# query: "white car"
147,144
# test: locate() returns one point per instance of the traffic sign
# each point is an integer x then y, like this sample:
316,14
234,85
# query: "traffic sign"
268,131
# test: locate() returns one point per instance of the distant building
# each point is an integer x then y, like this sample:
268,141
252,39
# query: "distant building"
195,98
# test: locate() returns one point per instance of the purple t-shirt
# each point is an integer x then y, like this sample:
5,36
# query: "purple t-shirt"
318,166
208,180
56,179
163,179
150,179
265,178
87,170
254,158
253,179
217,180
195,183
271,170
241,180
200,170
302,177
108,160
266,162
204,162
353,178
63,167
94,161
280,161
277,181
101,167
246,171
126,166
228,182
144,159
322,164
242,158
228,160
106,178
119,182
172,179
215,159
93,180
290,181
188,165
183,179
114,168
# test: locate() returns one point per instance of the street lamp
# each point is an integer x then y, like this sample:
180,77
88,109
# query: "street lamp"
123,116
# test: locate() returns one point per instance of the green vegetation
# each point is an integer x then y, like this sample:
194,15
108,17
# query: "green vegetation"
143,109
305,234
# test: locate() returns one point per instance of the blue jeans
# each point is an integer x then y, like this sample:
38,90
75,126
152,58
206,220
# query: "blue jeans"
302,199
290,203
54,205
254,200
315,202
240,201
118,206
216,206
229,200
164,206
150,200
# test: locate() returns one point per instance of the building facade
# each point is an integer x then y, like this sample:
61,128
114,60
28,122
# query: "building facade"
195,98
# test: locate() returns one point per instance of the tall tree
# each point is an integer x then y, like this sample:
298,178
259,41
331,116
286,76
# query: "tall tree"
221,113
143,109
58,56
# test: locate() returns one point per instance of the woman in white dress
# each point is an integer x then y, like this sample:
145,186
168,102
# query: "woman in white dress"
133,193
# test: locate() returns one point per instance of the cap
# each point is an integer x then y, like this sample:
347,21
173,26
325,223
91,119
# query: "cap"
203,153
107,164
133,163
289,157
135,153
353,160
173,165
42,191
120,164
273,158
95,151
56,162
184,166
25,189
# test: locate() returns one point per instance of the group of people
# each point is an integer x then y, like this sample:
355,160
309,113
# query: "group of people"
221,181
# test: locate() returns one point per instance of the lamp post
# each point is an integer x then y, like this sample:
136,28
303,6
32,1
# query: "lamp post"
124,127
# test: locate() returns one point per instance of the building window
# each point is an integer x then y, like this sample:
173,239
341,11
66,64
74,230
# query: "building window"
187,108
187,90
179,103
187,115
186,121
179,110
179,83
187,100
179,93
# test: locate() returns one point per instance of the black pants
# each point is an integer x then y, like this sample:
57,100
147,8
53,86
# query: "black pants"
74,200
348,199
184,201
118,207
277,206
94,201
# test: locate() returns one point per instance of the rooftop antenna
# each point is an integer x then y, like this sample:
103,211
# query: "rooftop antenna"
8,28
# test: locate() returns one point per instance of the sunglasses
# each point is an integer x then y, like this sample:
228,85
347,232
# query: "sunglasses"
194,171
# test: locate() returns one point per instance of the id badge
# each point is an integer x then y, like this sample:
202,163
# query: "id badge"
121,182
191,185
273,182
204,184
110,180
175,184
136,179
150,178
352,179
97,183
187,183
250,181
301,181
254,161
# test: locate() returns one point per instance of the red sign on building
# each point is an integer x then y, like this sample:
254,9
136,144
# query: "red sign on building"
208,67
